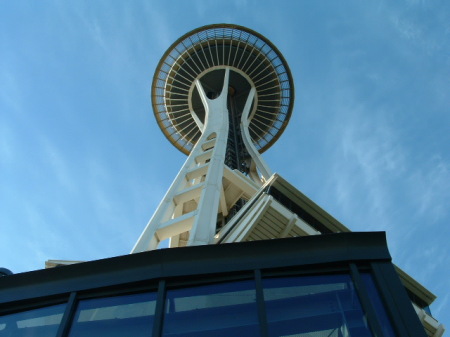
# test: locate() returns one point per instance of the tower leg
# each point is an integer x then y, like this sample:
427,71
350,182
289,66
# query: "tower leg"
192,201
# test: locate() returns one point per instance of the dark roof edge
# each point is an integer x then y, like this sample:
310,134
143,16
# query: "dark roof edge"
197,260
335,226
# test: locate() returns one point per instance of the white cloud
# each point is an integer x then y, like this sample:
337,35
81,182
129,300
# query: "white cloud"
6,144
430,188
440,307
406,28
10,94
53,157
97,33
368,154
159,25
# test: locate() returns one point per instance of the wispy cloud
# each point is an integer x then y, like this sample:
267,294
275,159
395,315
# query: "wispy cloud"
225,9
368,155
58,163
6,144
160,24
430,189
10,95
406,28
97,33
440,308
430,34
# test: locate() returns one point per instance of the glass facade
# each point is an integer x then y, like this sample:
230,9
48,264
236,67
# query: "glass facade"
36,322
272,288
310,305
118,316
324,305
224,309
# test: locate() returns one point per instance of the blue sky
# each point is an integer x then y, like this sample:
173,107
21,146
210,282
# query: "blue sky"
83,164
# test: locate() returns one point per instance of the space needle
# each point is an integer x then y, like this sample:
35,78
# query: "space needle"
249,257
222,94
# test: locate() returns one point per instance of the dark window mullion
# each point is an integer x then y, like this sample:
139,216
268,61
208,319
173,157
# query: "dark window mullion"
66,320
387,298
262,316
367,306
159,310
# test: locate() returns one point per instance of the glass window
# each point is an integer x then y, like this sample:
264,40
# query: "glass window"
130,315
37,322
226,309
314,306
374,296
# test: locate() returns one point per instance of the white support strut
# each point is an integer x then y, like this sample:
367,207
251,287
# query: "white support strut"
191,204
222,96
188,213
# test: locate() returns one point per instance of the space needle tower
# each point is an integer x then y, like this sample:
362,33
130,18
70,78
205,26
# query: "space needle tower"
222,94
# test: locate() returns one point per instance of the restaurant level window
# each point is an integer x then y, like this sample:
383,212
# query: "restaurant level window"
225,309
37,322
325,305
119,316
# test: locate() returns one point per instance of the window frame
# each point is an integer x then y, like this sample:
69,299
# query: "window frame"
166,269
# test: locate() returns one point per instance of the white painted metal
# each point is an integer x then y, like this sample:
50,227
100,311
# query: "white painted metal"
431,325
264,218
192,201
205,186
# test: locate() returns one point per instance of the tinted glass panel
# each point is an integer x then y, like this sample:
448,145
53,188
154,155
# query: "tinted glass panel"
374,296
130,315
37,322
314,306
226,309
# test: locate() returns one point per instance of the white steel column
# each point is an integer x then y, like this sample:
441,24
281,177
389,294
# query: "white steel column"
192,201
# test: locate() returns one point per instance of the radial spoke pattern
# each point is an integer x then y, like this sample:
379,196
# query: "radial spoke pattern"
206,50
